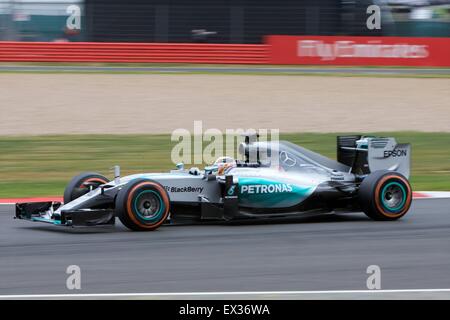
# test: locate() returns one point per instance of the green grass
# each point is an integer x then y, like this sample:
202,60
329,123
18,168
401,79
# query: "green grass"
42,165
215,65
179,70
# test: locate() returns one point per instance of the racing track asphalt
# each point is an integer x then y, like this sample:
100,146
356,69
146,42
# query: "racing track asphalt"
322,253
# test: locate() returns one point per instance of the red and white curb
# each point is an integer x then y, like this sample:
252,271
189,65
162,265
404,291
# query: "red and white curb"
431,195
34,199
416,195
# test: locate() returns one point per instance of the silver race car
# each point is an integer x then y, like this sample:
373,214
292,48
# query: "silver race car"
370,175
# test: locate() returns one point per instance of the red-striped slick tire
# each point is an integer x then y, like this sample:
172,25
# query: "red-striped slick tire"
142,205
76,188
385,195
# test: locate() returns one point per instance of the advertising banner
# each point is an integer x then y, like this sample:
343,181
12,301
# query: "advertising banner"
362,51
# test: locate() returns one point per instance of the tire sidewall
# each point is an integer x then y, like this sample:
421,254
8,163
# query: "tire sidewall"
125,204
370,195
78,180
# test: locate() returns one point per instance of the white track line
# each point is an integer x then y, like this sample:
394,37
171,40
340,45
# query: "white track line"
226,293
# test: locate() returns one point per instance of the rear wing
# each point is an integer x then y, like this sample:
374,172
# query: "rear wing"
386,153
369,154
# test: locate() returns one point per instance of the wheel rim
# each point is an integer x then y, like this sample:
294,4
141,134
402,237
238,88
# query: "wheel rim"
393,196
148,205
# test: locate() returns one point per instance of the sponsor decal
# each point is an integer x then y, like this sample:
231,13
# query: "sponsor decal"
266,188
359,51
266,193
351,49
184,189
395,153
231,190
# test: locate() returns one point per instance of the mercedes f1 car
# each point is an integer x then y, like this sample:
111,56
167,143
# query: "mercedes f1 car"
370,175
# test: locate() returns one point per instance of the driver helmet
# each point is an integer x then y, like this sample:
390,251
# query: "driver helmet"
224,164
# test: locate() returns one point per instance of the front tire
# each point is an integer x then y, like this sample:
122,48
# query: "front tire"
82,184
142,205
385,195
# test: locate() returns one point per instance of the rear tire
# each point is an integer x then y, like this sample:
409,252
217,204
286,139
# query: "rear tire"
75,188
142,205
385,195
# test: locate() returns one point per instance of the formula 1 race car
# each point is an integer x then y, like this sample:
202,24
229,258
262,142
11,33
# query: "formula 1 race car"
370,175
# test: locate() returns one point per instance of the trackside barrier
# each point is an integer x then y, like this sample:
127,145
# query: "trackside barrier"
301,50
132,52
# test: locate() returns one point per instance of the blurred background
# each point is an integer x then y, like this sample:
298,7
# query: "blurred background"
111,79
218,21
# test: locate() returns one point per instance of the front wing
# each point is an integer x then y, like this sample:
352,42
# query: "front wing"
47,212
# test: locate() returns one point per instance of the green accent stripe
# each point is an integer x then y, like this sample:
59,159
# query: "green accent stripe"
52,221
274,194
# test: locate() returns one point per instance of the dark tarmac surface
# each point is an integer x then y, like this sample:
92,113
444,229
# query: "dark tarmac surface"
329,252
